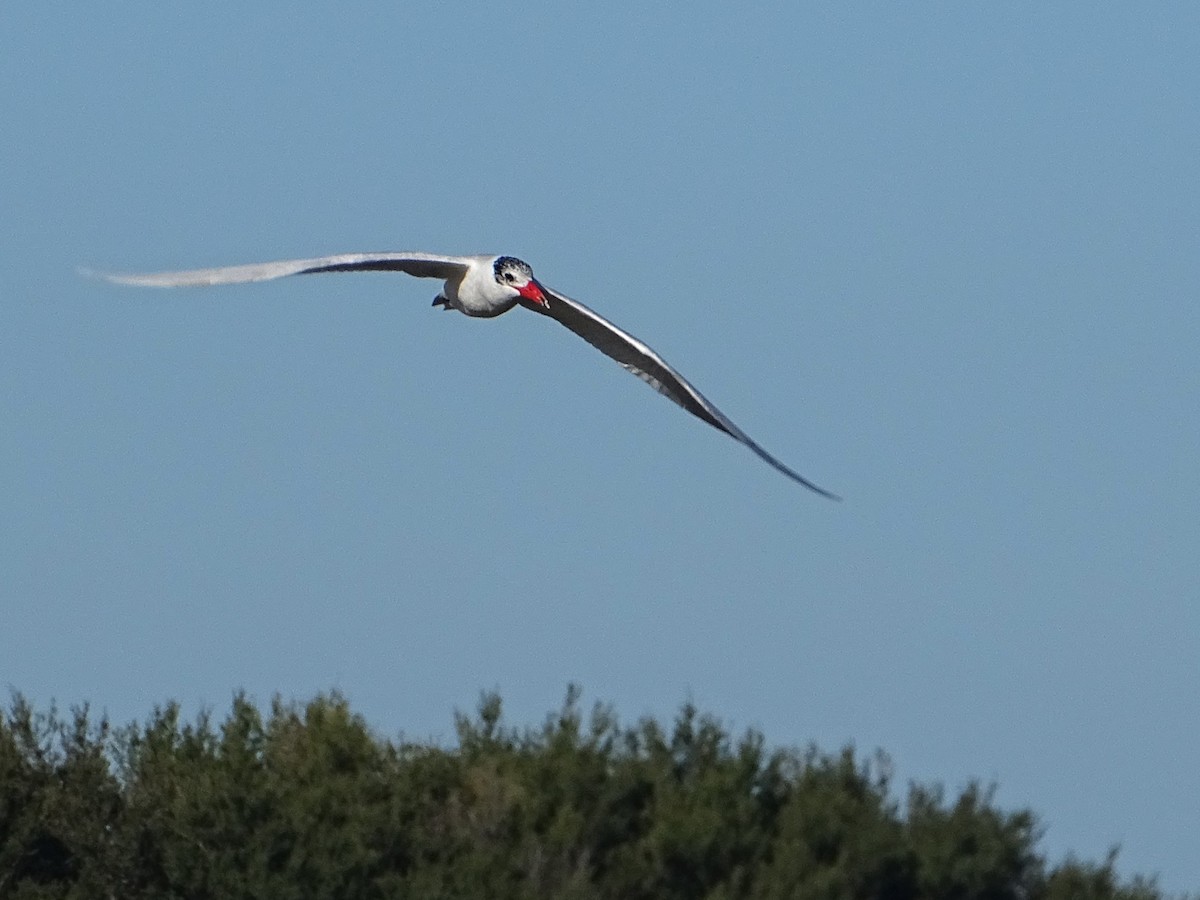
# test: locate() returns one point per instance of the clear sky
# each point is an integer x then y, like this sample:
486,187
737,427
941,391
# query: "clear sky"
942,260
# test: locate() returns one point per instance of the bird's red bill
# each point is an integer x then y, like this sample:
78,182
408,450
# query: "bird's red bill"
532,291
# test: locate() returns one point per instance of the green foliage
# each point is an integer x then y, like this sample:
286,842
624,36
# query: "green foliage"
306,802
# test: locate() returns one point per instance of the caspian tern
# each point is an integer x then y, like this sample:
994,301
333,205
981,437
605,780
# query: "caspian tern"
486,286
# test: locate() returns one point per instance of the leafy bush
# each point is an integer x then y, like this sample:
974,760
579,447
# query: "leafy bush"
307,802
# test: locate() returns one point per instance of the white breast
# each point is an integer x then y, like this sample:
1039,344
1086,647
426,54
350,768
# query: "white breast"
478,293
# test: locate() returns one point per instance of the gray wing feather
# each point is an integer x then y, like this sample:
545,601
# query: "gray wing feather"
642,361
422,265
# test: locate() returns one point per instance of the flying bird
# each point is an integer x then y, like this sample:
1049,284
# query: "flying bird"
487,286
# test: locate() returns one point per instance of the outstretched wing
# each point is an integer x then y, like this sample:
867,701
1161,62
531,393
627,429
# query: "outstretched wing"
422,265
652,369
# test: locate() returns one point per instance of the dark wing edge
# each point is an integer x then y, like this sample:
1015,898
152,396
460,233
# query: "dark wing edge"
420,265
642,361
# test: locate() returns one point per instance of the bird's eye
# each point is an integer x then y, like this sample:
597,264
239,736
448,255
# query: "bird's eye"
508,276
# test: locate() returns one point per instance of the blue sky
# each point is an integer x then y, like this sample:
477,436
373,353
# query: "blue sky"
943,261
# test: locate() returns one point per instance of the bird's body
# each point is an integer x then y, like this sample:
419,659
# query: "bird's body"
484,287
480,291
476,293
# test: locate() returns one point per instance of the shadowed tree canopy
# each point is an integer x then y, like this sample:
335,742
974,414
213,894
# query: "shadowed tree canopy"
306,801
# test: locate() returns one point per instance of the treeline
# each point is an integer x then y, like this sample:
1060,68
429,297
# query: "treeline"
298,802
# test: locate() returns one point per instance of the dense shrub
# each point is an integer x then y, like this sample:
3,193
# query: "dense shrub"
308,802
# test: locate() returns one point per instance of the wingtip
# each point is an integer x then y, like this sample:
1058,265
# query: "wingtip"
799,479
98,275
817,489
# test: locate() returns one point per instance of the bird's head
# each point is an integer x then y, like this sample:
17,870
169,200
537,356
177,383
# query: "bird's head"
516,275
